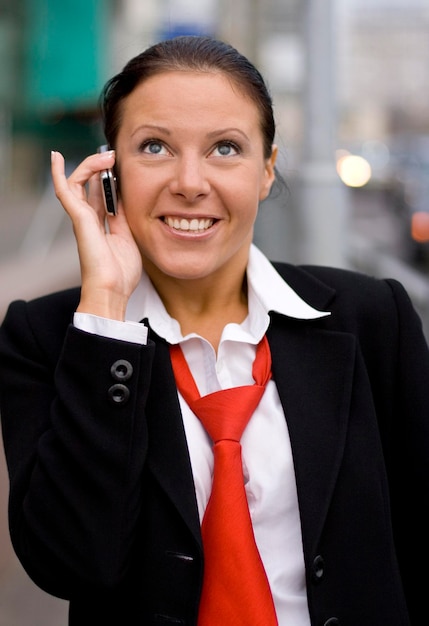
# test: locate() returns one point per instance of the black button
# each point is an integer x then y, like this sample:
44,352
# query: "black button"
318,568
332,621
121,370
119,394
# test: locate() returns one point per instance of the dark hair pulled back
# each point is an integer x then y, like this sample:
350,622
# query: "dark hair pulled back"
195,53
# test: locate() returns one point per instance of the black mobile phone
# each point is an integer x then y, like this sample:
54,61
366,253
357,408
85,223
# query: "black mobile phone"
108,184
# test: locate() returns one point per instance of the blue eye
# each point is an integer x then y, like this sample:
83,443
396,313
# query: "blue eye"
226,148
153,147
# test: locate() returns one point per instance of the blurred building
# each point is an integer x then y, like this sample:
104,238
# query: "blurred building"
57,55
384,68
54,66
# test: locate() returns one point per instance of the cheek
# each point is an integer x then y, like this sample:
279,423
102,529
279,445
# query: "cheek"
130,181
245,208
248,183
136,193
257,189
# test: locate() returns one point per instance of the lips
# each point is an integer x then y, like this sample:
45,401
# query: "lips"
194,224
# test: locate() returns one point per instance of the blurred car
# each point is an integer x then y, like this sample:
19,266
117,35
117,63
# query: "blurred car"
408,189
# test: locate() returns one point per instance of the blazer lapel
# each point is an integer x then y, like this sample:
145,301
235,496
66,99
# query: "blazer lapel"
313,370
168,456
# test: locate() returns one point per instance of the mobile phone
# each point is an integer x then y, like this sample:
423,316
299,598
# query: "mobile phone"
108,184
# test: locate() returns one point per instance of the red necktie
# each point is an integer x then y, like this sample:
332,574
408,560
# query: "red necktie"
235,591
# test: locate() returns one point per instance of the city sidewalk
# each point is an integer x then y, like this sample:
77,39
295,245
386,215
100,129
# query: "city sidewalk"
29,276
37,249
27,271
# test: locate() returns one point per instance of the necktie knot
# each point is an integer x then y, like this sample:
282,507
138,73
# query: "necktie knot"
225,413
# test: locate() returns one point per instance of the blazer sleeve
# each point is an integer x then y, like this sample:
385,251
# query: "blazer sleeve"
407,450
74,430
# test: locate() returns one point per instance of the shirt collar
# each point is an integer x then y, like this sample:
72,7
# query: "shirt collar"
273,292
267,291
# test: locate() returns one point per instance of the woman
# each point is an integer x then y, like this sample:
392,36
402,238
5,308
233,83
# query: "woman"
111,470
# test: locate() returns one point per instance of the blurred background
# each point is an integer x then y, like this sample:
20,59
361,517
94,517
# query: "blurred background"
350,83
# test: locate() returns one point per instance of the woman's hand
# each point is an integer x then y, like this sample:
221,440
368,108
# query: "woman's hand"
109,257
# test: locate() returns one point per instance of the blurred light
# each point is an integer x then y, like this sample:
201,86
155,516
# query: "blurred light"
420,226
354,170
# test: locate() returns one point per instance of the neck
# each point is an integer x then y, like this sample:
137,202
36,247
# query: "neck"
204,306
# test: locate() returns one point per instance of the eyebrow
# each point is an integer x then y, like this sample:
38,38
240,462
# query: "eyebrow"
211,135
152,127
226,131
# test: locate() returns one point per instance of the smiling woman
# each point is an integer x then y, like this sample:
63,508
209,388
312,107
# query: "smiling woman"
195,435
201,178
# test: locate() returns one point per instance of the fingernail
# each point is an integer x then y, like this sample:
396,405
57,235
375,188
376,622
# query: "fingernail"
53,155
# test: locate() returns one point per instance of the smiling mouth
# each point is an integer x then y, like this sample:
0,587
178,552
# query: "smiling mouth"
194,225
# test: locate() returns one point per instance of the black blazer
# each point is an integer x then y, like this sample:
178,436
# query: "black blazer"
102,501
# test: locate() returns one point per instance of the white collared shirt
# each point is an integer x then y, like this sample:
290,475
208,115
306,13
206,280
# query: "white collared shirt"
267,458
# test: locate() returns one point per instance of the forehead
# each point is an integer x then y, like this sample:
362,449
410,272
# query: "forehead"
175,95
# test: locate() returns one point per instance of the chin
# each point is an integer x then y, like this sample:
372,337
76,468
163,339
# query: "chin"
184,273
178,269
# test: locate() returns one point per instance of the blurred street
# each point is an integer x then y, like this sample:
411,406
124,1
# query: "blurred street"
37,249
381,245
26,272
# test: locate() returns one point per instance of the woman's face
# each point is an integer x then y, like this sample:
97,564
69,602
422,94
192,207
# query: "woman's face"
192,172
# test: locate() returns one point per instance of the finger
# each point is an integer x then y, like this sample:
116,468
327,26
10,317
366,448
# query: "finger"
118,224
90,166
57,170
61,187
70,200
95,195
73,188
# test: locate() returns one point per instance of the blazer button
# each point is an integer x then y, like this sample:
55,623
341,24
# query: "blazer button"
118,394
332,621
318,569
121,370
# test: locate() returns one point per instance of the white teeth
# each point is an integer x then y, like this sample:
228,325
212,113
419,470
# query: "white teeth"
183,224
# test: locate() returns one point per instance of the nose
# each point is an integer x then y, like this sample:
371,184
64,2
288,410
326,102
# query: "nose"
189,179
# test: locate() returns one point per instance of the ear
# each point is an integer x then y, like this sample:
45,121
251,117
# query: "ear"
269,173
